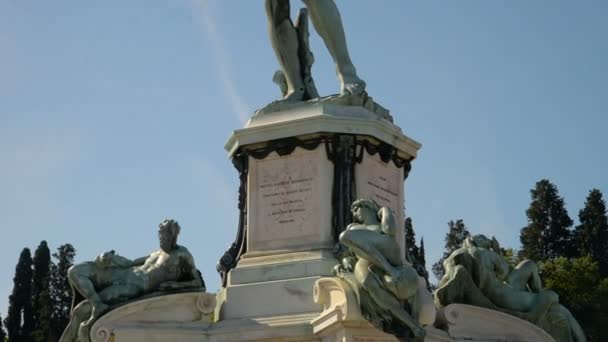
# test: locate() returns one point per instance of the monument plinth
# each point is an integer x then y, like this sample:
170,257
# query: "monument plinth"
301,168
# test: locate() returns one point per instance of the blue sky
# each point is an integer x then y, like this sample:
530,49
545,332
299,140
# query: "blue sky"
114,114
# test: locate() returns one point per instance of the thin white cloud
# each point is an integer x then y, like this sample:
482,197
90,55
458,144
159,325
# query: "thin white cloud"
204,12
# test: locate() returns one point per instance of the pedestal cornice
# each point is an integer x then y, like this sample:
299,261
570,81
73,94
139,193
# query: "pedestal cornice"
321,118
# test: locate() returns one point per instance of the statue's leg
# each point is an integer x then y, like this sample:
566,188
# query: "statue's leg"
81,313
108,295
364,244
575,329
390,303
284,40
328,23
461,288
119,292
544,300
80,278
524,276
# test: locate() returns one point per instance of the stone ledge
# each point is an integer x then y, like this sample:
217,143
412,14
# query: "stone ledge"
472,323
321,118
188,312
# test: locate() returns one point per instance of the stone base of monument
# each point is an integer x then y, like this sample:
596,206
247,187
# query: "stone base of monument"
273,285
342,320
301,168
176,317
188,317
471,323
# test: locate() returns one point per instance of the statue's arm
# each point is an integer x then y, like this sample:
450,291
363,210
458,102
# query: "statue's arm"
111,259
387,221
139,261
195,276
501,268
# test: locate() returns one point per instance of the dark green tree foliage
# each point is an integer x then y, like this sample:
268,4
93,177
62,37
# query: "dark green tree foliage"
19,318
457,232
547,234
413,253
61,293
2,332
41,296
422,262
591,235
410,238
510,256
580,289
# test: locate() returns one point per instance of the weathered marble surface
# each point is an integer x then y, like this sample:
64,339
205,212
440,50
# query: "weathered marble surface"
473,323
306,118
290,201
358,100
176,317
342,320
274,275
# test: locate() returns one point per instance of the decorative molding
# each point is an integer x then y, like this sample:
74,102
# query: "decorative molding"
239,246
341,152
339,302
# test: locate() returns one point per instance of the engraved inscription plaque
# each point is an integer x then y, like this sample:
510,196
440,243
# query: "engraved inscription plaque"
289,200
382,182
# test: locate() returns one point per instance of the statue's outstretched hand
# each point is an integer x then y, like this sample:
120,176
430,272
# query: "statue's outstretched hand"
111,259
105,259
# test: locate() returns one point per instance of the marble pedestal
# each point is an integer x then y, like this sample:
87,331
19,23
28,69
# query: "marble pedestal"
300,169
471,323
177,317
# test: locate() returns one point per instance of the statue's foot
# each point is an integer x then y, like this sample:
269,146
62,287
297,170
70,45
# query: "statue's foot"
85,328
98,310
84,332
419,333
295,95
353,86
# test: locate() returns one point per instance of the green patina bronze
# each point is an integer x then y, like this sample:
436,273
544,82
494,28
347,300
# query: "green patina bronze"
111,280
290,44
388,289
476,274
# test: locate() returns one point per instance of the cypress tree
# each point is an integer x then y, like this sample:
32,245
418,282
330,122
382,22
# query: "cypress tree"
2,333
41,296
412,251
410,239
61,292
421,253
591,235
422,262
20,300
456,234
547,235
